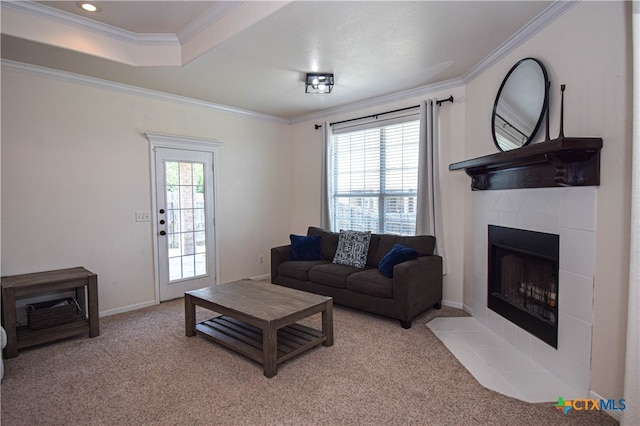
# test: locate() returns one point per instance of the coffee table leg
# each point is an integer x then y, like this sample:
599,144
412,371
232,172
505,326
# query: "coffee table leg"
270,350
189,316
327,323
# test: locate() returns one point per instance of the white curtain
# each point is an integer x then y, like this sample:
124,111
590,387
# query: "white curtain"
325,215
631,415
429,209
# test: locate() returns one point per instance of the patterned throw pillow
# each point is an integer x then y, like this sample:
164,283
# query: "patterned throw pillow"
353,247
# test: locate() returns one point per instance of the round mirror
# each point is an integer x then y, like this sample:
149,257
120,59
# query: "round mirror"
520,105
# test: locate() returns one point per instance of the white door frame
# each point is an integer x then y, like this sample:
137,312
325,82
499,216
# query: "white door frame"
158,140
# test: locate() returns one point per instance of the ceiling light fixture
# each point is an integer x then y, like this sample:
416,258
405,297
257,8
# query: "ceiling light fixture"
88,6
319,83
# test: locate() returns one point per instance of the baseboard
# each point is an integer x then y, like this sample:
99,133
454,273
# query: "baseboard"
613,413
452,304
468,309
126,308
152,302
262,277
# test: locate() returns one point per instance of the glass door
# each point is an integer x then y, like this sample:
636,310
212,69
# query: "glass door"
185,221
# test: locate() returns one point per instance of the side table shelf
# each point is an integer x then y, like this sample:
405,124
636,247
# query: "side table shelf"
17,286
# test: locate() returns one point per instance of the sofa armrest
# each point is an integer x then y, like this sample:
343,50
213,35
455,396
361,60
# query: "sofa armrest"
279,255
417,284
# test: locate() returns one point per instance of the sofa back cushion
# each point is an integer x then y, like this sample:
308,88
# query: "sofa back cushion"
328,242
372,258
379,246
423,244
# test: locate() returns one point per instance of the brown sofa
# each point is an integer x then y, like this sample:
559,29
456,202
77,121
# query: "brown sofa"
416,285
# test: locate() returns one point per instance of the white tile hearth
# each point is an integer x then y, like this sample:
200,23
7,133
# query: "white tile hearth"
497,364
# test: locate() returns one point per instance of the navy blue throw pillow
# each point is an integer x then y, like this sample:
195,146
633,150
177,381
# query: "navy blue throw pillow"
305,248
397,254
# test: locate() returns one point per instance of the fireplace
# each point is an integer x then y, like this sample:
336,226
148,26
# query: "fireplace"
523,279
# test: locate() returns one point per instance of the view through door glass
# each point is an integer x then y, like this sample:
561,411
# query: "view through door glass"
186,236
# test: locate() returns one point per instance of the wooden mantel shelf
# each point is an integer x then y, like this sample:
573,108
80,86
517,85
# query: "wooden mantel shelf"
558,162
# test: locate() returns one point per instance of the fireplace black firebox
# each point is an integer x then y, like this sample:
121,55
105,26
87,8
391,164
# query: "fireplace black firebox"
523,279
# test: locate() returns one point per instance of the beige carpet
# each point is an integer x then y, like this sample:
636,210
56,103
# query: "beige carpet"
142,370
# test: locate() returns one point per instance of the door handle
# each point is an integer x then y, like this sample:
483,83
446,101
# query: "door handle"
163,233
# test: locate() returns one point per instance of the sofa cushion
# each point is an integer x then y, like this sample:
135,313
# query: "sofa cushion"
372,261
305,248
328,241
379,245
298,269
331,274
353,247
397,254
423,244
372,283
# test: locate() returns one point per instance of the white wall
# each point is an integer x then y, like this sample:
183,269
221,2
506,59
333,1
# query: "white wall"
588,49
75,168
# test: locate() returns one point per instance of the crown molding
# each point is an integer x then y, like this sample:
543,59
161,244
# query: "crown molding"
547,16
86,24
66,76
381,100
537,24
19,67
216,12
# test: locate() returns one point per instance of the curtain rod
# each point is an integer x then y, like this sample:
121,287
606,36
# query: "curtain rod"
438,102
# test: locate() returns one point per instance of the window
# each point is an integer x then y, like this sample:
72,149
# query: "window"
373,176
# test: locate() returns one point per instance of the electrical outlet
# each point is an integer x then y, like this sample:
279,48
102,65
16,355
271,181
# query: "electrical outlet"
143,216
261,259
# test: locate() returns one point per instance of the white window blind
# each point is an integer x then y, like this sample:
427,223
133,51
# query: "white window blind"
374,179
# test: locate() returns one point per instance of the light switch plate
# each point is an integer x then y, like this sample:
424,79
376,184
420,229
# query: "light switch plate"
143,216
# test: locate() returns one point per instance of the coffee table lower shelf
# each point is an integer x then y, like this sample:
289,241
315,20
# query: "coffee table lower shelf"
247,339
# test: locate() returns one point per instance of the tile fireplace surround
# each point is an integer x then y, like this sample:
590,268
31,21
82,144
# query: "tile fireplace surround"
570,213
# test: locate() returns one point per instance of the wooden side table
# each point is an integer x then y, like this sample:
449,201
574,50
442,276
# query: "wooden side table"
17,286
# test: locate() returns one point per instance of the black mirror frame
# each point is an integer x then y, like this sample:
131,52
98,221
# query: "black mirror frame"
544,102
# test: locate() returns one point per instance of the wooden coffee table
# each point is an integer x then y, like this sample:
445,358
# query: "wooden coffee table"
259,320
